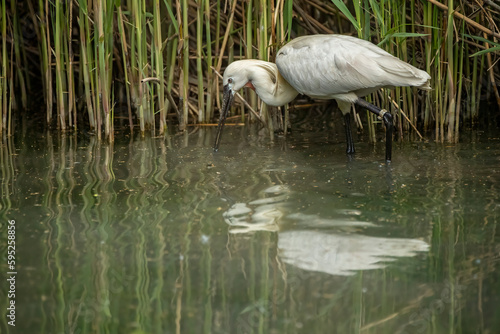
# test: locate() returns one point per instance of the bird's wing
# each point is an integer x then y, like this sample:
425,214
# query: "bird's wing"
326,65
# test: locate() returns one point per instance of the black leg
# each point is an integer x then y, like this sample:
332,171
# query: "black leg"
348,134
387,118
389,127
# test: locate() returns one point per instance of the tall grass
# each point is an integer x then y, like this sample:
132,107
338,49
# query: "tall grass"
102,61
4,75
436,43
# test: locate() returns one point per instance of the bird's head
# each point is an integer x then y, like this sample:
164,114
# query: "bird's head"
236,76
261,76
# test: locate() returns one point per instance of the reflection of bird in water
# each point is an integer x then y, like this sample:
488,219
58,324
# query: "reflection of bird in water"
342,252
336,67
258,215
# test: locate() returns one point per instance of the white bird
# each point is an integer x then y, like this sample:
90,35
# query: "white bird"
337,67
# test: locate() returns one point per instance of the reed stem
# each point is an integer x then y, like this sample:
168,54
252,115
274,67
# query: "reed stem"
4,75
122,43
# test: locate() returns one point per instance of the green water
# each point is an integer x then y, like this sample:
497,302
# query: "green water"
161,235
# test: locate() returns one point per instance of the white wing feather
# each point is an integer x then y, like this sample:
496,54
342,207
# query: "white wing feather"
328,66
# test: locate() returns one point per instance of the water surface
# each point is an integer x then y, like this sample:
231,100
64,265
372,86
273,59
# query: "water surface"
154,235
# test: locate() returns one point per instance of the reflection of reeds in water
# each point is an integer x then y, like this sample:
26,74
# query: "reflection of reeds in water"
96,59
7,171
131,238
112,223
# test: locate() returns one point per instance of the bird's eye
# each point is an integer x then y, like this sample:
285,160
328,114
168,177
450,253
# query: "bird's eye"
230,80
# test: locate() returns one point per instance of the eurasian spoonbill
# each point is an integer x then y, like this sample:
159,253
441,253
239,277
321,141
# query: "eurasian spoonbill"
337,67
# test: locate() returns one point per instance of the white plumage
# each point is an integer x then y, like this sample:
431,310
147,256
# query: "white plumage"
336,67
343,67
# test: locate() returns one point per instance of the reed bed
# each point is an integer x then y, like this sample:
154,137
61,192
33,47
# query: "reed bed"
153,63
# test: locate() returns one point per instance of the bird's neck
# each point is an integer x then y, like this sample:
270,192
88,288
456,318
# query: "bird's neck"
270,85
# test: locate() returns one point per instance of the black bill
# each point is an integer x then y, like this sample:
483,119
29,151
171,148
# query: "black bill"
227,100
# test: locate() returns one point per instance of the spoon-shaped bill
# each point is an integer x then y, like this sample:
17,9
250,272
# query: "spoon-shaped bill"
227,100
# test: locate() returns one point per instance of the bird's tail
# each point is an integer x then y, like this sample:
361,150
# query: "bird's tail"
426,85
400,73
